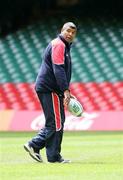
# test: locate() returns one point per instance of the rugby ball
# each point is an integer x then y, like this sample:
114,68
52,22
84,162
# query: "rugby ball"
75,108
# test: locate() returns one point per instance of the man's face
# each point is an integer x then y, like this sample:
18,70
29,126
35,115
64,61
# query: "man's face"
68,33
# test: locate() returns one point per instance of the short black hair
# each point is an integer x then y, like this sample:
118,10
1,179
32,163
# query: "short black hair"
69,24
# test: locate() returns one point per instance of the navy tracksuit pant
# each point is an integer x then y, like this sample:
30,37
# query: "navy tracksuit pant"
51,136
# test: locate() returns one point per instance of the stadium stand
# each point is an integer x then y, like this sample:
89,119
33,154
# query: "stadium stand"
97,65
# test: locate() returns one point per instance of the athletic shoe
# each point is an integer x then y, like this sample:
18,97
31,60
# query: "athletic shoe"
61,161
64,161
34,153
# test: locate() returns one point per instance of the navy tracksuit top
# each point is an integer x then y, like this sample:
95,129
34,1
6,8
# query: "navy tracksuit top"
55,71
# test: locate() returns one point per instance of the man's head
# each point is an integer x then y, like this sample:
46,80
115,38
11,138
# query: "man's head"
68,31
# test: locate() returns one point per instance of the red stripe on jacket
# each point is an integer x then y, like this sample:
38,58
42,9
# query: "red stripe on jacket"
58,49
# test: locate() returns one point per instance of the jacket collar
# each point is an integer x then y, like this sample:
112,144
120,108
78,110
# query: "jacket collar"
66,43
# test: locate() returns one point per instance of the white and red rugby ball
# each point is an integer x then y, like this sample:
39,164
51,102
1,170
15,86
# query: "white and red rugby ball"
75,108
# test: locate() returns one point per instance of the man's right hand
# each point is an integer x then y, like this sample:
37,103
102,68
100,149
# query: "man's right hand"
66,97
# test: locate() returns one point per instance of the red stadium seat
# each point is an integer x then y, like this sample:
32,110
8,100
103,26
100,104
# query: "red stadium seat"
94,96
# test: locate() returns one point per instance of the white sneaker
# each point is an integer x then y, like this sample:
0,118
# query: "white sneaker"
61,161
33,153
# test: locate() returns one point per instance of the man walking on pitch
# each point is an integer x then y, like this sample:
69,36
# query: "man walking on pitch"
52,88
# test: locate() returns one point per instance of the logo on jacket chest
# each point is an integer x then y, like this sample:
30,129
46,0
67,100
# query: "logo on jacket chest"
68,56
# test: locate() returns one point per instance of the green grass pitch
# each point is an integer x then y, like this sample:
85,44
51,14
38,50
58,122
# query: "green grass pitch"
94,156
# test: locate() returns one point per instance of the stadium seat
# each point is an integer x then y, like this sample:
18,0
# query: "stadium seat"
97,64
93,96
